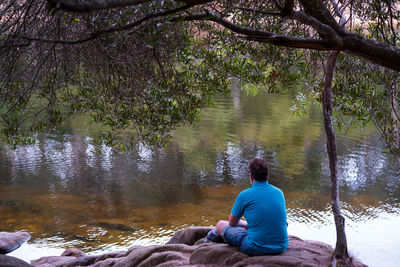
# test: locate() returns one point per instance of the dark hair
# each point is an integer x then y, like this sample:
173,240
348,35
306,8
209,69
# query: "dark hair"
259,169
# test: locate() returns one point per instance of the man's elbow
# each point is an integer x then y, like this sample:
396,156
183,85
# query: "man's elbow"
233,221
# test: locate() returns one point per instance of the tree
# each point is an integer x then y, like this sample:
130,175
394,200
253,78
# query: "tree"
134,66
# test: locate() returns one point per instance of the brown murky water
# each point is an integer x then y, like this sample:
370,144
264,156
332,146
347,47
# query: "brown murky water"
65,195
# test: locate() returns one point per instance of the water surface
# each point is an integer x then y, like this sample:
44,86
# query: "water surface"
65,195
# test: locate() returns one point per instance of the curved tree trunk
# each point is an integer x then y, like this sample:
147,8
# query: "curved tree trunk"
341,242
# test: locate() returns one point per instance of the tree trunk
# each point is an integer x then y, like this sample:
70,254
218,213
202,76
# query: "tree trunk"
341,242
395,114
396,122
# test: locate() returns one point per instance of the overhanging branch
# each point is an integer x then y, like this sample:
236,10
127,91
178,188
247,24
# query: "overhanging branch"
287,41
351,43
272,38
98,33
268,13
323,29
288,7
261,36
86,6
236,28
331,38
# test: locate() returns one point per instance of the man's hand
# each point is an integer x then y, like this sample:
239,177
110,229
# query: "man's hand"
243,224
235,221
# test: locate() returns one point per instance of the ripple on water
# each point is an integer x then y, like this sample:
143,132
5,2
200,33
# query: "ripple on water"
26,159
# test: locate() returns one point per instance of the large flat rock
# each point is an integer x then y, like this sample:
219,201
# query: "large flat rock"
11,241
188,248
8,261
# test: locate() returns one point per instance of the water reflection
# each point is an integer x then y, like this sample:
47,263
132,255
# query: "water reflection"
66,195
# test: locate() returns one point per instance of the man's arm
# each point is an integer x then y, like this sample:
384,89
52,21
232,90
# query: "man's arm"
235,221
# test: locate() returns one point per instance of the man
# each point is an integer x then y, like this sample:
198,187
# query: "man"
263,205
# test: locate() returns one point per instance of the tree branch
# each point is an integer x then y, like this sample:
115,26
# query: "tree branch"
269,13
325,30
379,53
318,10
84,7
88,6
332,39
272,38
342,20
287,41
236,28
108,30
288,8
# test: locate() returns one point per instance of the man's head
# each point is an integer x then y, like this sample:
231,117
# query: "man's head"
259,169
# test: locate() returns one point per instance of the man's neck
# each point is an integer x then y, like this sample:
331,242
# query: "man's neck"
259,182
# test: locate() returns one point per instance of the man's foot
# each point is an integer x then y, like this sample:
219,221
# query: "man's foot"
213,236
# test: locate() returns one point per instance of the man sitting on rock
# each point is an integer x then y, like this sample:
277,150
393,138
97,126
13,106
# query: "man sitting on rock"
263,206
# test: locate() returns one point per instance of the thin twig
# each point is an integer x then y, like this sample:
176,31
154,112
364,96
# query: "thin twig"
270,13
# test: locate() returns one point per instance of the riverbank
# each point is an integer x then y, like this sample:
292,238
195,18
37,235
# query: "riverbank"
188,248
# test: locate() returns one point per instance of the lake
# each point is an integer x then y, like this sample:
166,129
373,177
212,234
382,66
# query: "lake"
65,195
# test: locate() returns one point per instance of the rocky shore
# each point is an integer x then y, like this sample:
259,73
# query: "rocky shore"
188,247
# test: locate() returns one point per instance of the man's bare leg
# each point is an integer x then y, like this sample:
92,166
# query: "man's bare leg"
221,225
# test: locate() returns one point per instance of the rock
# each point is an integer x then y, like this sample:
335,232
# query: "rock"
202,241
139,254
55,261
11,241
165,258
188,248
109,255
189,236
8,261
219,254
74,252
75,257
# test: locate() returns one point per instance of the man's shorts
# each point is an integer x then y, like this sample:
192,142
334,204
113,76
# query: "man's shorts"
235,236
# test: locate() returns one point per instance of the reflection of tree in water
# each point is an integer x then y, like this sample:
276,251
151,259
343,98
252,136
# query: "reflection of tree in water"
365,170
163,182
225,170
309,178
120,180
369,182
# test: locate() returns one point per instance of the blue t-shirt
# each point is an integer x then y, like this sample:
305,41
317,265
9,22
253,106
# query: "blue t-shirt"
263,206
